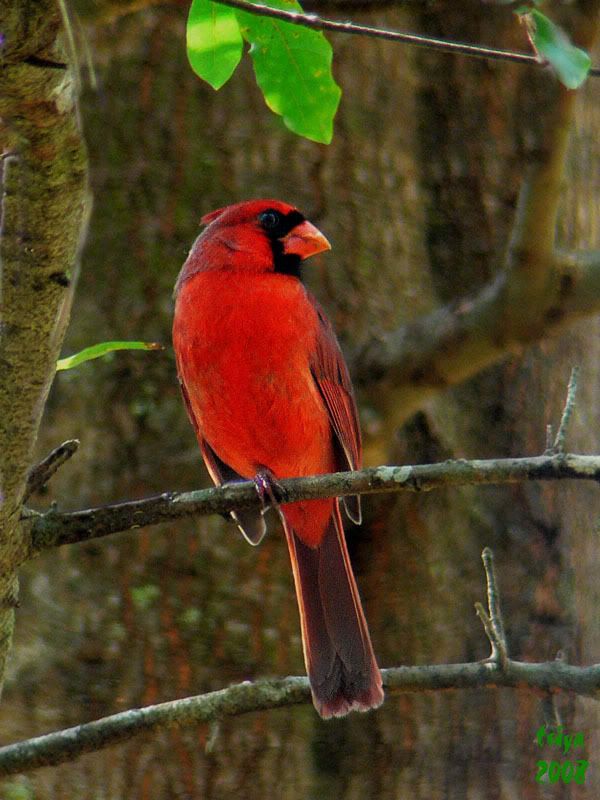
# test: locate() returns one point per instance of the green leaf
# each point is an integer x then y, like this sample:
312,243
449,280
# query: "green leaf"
293,70
552,45
101,349
214,42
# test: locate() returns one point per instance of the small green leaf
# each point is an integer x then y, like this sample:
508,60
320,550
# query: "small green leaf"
293,70
214,42
552,45
101,349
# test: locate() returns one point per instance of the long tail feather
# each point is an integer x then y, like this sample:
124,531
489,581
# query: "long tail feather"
340,662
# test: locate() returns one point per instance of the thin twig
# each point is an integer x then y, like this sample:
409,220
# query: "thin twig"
549,438
42,472
54,528
550,711
320,24
499,646
489,630
493,594
559,441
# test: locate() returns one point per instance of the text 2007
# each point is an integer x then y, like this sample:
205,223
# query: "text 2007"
565,771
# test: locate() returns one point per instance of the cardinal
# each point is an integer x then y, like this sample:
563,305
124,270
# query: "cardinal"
268,393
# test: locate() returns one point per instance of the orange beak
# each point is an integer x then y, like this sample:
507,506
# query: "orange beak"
305,240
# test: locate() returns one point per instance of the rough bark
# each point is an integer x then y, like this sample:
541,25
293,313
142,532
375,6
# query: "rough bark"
44,195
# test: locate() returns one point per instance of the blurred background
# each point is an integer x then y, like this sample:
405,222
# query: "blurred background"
417,195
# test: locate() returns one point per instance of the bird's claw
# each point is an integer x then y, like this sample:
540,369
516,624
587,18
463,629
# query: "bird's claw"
266,487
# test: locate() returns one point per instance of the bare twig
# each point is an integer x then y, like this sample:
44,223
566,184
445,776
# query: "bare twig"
493,596
488,628
54,528
42,472
494,627
559,442
550,712
320,24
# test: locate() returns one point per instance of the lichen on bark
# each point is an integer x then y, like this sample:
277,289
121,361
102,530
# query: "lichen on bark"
43,215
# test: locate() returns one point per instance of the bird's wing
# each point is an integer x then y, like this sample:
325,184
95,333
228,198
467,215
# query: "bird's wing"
331,376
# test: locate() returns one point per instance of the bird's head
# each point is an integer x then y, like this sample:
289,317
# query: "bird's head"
254,236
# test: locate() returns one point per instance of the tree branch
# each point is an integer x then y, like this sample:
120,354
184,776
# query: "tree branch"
558,446
529,260
455,342
40,474
243,698
55,528
56,748
320,24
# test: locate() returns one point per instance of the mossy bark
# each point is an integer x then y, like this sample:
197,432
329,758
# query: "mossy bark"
44,195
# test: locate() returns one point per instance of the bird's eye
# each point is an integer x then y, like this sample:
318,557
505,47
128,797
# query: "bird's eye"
270,219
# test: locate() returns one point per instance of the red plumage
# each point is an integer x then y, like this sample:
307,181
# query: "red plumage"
268,392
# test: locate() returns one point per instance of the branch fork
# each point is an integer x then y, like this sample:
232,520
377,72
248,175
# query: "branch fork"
492,619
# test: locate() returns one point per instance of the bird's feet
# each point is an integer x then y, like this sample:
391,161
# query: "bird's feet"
267,487
250,521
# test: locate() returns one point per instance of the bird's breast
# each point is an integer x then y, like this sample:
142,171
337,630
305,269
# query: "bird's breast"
244,348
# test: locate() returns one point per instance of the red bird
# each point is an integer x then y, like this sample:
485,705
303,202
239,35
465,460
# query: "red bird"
268,393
